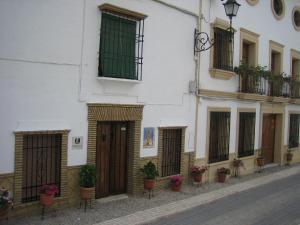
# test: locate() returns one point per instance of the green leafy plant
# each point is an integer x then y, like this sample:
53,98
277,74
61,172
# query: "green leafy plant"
5,198
259,153
87,176
149,171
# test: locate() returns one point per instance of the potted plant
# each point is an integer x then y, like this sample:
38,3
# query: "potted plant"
87,180
149,172
176,182
222,174
5,202
260,160
289,156
47,193
197,172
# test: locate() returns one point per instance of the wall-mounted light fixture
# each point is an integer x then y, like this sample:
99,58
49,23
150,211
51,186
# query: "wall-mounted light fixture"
202,42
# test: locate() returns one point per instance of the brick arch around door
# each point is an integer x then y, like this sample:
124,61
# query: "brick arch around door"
114,134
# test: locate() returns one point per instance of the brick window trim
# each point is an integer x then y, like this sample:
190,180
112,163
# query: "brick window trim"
19,164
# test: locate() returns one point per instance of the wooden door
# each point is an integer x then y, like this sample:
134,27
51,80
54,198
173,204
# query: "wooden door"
268,137
111,158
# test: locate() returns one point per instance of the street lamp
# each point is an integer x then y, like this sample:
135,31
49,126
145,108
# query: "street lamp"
202,42
231,9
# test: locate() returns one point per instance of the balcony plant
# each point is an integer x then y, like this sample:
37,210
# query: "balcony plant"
47,194
176,182
5,202
87,180
149,173
197,172
222,174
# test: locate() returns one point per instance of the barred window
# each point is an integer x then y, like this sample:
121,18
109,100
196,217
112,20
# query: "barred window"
246,134
121,47
41,164
294,130
171,153
219,136
223,50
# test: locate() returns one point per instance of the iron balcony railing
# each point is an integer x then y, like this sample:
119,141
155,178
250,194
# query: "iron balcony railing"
269,85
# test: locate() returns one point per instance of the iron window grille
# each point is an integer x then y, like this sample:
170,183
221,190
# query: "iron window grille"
121,47
246,134
41,164
294,130
219,136
171,153
223,49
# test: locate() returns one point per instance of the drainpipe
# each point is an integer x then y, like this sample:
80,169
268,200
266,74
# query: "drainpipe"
197,80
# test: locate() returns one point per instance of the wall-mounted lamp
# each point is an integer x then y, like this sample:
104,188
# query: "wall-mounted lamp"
202,42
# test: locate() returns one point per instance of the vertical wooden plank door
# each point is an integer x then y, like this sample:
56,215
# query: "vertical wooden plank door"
111,158
268,137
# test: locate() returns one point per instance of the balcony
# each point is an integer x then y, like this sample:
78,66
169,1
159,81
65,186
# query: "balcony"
256,80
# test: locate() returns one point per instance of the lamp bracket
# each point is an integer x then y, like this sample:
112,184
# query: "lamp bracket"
202,42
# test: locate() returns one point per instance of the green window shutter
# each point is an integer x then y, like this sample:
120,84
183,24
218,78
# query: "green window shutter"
117,47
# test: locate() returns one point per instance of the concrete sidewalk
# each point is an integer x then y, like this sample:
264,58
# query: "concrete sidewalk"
149,215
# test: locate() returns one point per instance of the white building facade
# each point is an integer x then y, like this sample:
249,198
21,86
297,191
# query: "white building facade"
116,83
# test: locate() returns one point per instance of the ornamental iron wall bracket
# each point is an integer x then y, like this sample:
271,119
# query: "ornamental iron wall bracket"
202,42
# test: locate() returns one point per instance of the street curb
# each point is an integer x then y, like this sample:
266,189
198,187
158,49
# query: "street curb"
149,215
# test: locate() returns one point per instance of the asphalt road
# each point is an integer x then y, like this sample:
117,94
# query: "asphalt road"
276,203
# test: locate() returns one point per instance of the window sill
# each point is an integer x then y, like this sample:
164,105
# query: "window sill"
247,157
221,74
121,80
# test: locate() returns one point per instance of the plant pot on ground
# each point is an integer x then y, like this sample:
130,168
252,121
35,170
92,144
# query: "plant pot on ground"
5,203
197,172
176,182
47,194
87,180
260,160
222,174
149,173
289,156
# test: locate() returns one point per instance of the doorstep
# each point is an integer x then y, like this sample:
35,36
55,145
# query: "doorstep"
112,198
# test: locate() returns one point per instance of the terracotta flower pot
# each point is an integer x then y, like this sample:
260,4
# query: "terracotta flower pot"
149,184
86,193
260,162
4,211
222,177
176,188
197,177
46,199
289,157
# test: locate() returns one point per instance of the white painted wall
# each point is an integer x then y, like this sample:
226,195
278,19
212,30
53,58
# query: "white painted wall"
49,61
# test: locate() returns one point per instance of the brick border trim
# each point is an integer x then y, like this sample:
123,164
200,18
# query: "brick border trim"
117,112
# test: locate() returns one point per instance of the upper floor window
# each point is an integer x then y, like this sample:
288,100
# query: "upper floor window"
252,2
248,47
278,8
223,50
276,57
295,64
296,18
121,43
